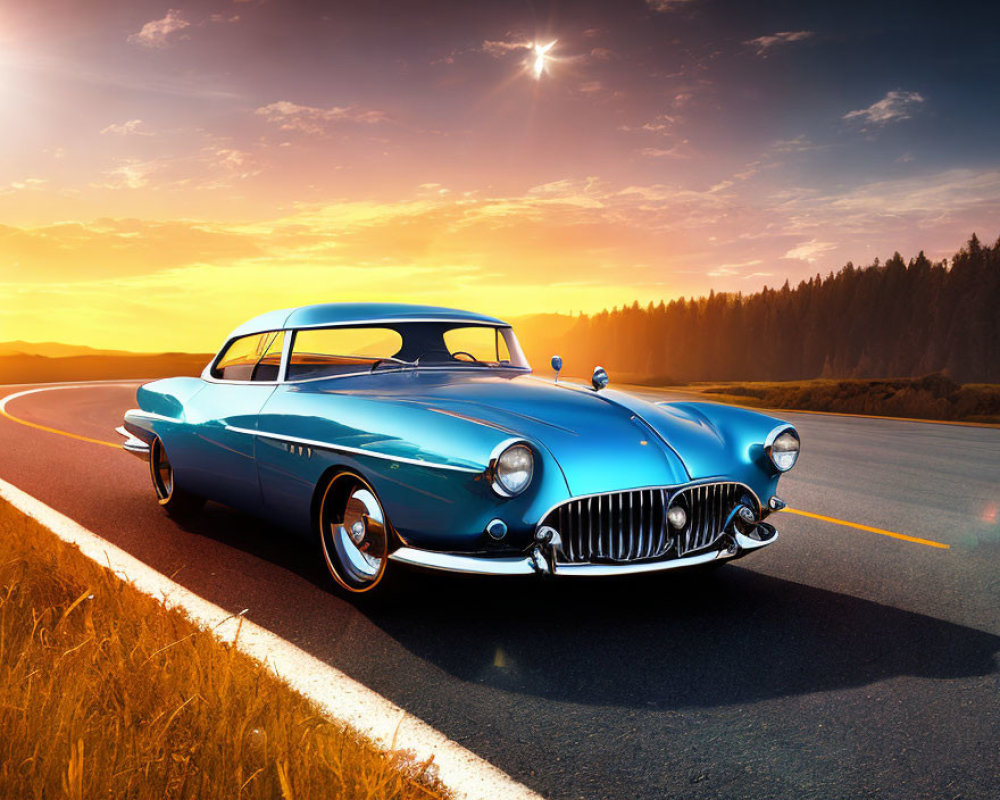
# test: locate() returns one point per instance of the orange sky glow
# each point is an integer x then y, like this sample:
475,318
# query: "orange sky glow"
170,170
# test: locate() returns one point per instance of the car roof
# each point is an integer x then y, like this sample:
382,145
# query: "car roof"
329,314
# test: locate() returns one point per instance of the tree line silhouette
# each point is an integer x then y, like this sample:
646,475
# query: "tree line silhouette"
894,319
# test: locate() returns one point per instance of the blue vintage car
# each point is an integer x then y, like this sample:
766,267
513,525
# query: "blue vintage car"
419,435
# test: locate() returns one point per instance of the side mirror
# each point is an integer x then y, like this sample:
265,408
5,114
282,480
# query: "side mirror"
599,379
557,365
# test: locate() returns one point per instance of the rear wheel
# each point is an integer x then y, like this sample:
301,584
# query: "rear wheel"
175,502
353,534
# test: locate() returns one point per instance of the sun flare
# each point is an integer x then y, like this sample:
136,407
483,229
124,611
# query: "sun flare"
541,58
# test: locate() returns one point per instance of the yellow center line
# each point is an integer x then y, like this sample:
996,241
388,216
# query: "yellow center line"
6,413
870,529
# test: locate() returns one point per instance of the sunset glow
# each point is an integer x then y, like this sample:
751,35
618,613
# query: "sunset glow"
180,167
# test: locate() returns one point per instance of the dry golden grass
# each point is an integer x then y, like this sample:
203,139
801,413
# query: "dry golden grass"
105,693
932,397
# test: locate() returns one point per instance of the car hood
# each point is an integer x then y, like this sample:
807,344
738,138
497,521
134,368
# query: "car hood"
600,440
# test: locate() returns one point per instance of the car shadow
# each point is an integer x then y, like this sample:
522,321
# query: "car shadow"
674,640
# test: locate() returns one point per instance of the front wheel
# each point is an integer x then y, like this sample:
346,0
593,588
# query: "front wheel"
353,534
175,502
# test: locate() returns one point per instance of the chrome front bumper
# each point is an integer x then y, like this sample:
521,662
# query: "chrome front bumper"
133,444
538,563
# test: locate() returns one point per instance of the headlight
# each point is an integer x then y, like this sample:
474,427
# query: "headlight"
512,470
782,447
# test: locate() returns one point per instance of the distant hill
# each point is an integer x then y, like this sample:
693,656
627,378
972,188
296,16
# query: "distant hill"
55,350
20,368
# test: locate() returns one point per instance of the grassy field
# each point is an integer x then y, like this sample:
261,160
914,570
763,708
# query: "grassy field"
106,693
933,397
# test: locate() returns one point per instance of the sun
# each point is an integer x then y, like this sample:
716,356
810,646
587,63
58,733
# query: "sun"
542,57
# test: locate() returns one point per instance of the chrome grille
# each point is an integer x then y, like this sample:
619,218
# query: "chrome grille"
708,509
632,525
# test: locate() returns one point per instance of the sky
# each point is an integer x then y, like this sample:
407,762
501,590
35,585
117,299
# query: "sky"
170,169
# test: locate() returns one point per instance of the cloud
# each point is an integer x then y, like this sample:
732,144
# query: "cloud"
228,164
22,185
894,107
499,49
661,123
680,150
924,197
315,121
214,166
132,173
796,144
571,243
810,251
564,230
131,280
730,270
133,127
158,32
667,5
763,44
683,99
114,248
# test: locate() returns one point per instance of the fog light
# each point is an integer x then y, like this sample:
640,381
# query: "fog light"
497,529
747,515
677,517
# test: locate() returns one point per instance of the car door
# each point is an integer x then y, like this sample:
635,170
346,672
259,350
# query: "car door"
224,416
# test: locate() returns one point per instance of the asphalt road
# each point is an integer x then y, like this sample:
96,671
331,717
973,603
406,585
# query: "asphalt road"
835,664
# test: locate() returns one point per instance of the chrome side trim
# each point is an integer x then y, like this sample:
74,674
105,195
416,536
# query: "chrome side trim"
150,415
469,565
133,444
340,448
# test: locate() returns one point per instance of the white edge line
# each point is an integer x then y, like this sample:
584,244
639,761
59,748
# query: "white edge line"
342,697
7,398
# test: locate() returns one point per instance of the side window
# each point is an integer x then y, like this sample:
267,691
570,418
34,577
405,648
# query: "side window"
338,351
269,364
240,358
482,343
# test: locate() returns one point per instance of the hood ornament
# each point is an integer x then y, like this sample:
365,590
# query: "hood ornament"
557,365
599,379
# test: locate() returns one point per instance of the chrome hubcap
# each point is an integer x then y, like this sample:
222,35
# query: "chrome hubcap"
345,531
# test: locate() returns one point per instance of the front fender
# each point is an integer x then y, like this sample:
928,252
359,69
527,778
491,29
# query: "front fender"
716,440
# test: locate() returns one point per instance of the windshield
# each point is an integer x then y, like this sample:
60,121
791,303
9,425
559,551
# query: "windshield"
349,350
